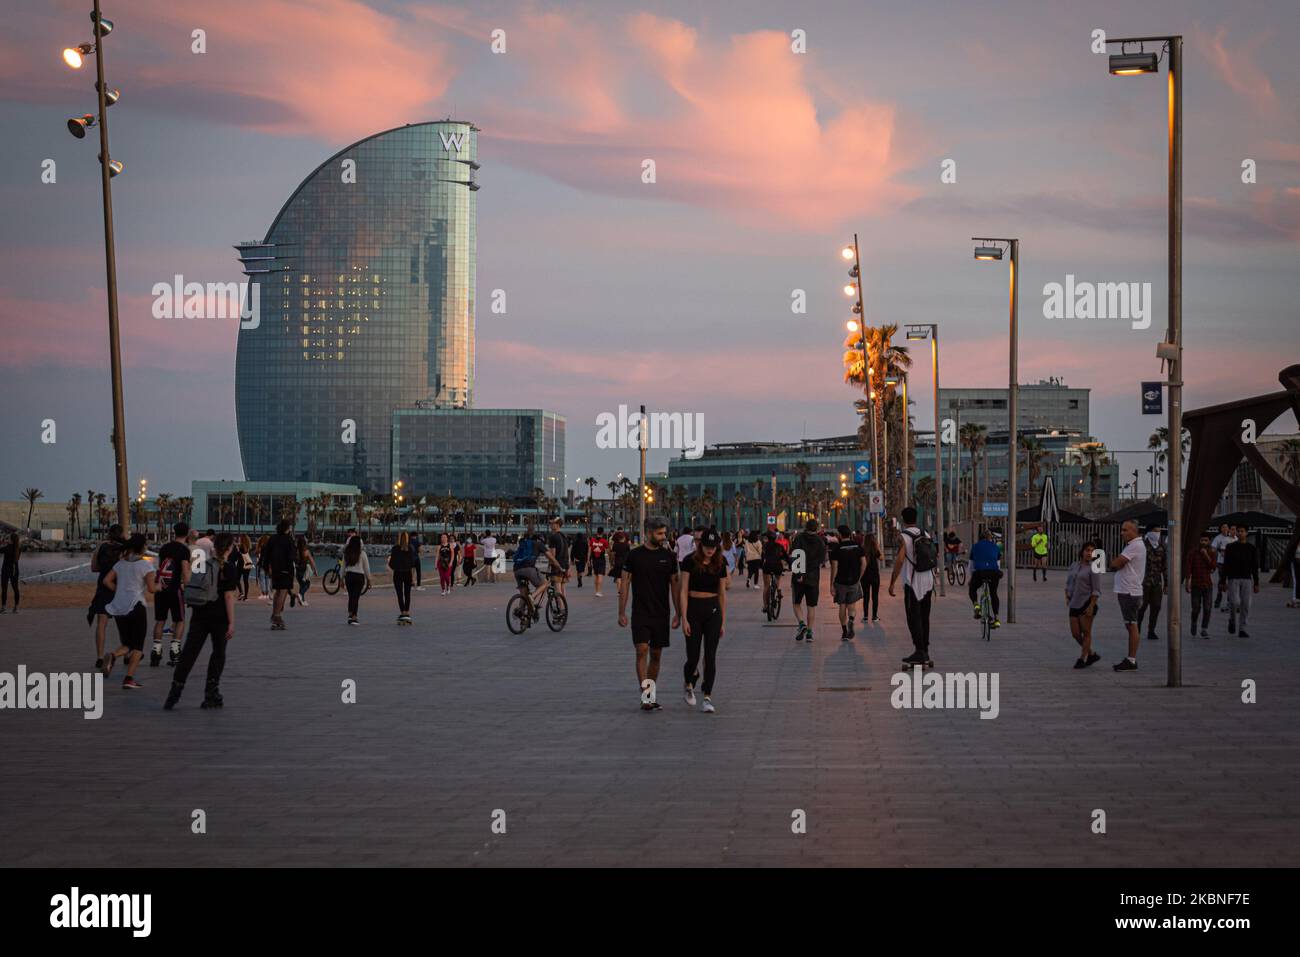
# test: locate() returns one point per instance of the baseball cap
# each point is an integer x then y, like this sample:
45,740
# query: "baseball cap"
710,537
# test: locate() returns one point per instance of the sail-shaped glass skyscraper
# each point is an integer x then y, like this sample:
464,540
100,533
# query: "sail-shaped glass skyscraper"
366,304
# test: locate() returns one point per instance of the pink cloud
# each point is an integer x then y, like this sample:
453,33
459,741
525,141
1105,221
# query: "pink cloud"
1238,67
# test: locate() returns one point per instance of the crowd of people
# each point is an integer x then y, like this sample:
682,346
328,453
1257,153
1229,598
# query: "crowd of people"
673,580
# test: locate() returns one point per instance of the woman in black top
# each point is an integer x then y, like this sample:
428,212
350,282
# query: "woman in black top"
9,571
704,596
401,562
446,556
871,579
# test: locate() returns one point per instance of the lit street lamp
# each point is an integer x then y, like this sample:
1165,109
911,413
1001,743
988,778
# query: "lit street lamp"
108,168
987,251
1171,349
856,325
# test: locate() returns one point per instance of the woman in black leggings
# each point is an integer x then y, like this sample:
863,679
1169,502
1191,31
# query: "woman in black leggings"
9,571
871,579
704,596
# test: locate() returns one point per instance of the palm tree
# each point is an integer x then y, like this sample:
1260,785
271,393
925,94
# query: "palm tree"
1035,454
1288,452
100,498
164,502
73,510
975,438
257,507
31,495
679,497
239,500
925,490
1093,457
90,512
1159,440
185,508
739,501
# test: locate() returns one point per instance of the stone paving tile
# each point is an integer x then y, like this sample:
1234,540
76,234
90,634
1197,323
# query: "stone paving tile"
456,718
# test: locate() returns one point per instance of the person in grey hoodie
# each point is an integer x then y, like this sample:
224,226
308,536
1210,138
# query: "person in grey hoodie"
1082,589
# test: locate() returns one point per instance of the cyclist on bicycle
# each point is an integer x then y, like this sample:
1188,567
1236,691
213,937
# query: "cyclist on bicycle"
531,547
986,569
774,559
951,548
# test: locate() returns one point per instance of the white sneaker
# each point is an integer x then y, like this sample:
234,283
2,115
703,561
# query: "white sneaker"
599,595
707,707
302,602
690,696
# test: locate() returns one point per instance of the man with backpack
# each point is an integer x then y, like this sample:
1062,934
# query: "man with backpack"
210,594
916,561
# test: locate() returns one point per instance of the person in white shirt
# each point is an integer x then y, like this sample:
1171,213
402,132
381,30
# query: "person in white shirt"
489,543
1221,542
918,587
130,580
1130,567
686,544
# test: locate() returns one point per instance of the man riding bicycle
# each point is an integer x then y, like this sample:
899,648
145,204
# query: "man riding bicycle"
531,547
774,559
951,548
986,568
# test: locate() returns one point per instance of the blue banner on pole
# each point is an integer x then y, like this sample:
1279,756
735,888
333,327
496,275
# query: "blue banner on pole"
1153,397
862,471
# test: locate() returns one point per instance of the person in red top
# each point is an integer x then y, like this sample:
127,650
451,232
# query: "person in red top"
597,546
1200,583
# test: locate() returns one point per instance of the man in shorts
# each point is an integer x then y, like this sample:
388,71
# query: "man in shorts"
557,555
650,575
805,586
173,575
278,561
1130,568
527,577
598,546
848,565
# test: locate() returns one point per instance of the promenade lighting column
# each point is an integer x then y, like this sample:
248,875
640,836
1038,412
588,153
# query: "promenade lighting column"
1171,350
921,331
852,252
986,252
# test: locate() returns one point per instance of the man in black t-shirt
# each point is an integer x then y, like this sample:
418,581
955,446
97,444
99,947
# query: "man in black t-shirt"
173,575
557,553
278,560
807,551
650,575
215,620
848,565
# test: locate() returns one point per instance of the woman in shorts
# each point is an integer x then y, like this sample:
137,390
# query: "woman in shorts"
130,580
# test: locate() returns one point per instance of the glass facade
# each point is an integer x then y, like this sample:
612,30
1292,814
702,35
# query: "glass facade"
479,453
366,295
1042,407
258,506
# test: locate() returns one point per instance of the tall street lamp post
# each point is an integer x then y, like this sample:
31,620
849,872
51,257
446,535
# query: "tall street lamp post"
987,252
860,325
1170,350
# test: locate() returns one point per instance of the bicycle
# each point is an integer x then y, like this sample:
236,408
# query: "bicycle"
957,571
774,595
522,612
985,615
332,581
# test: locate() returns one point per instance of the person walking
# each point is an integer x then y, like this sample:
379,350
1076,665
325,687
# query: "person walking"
1082,592
597,548
1130,568
263,577
278,560
416,545
101,563
702,580
578,551
871,578
1038,546
401,563
489,543
1220,544
172,575
130,580
1201,566
245,565
9,556
212,621
848,565
753,560
805,585
356,575
304,566
620,547
650,578
469,555
916,560
1241,569
1153,581
446,557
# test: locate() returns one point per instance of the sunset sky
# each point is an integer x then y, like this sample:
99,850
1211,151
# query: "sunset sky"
674,294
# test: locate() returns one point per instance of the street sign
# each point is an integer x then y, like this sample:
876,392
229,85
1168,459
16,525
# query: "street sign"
876,501
995,509
862,471
771,518
1153,398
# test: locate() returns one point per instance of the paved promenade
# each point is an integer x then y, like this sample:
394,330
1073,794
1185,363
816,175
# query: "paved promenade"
455,719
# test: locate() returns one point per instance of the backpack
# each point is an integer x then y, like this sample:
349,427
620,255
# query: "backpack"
925,557
524,551
202,586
